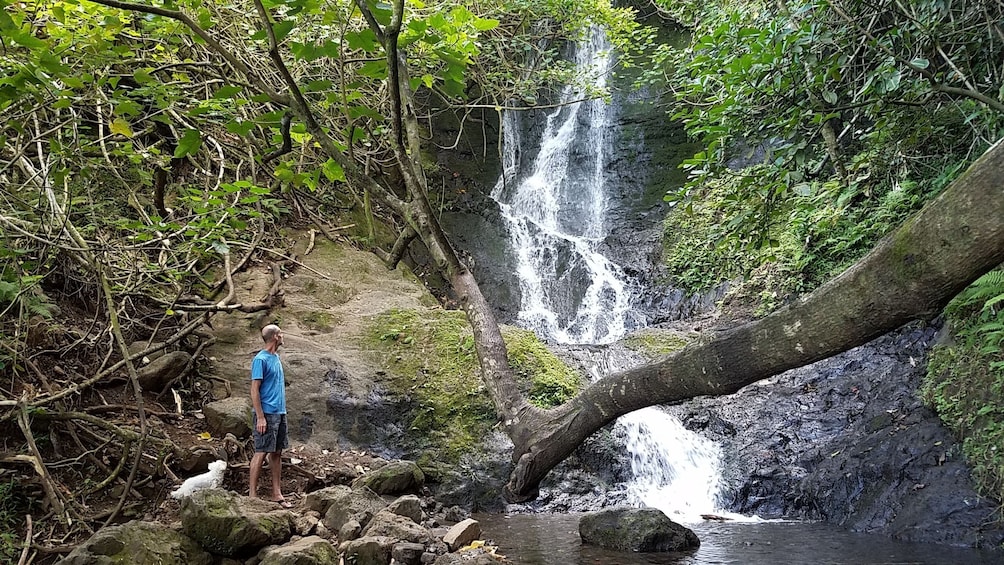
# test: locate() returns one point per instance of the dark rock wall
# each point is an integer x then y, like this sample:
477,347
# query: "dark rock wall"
848,442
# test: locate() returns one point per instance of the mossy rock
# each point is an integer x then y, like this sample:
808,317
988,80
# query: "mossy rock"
396,477
228,524
138,543
311,550
635,530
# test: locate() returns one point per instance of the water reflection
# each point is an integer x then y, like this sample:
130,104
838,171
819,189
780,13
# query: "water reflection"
553,539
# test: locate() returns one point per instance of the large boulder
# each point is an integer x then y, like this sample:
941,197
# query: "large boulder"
635,529
392,525
229,416
228,524
409,506
310,550
138,542
396,477
368,550
156,376
462,534
340,504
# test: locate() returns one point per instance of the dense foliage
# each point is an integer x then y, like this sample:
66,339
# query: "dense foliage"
149,150
824,124
965,379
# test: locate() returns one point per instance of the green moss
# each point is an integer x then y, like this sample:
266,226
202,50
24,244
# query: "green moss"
654,343
547,381
430,356
319,320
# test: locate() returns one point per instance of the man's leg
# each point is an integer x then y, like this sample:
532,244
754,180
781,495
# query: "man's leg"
256,462
275,465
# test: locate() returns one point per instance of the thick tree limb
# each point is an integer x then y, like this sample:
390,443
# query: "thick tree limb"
911,274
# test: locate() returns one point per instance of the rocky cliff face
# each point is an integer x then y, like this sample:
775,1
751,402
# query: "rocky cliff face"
848,442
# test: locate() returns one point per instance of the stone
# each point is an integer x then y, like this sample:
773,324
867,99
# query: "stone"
462,534
311,550
305,524
229,416
391,525
408,553
138,542
159,374
466,558
231,525
343,504
396,477
137,346
350,530
409,506
368,550
635,529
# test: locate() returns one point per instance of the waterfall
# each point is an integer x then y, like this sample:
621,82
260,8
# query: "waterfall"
554,205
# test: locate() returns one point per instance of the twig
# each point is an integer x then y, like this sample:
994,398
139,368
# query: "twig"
310,244
48,483
27,541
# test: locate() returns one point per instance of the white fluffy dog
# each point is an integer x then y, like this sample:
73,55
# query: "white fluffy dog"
211,479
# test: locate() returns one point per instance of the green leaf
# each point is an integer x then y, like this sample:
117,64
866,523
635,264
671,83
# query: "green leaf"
485,24
920,63
282,29
189,143
227,91
120,126
333,171
221,247
830,96
364,40
374,69
28,40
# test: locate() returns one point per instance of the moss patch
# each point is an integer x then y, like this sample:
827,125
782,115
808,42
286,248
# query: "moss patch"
655,343
429,356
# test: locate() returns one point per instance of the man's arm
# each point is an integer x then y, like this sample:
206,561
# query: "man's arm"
260,424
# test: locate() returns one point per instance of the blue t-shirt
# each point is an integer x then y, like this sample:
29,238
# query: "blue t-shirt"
267,368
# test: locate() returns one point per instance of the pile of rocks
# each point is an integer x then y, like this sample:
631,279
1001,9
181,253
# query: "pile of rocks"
351,524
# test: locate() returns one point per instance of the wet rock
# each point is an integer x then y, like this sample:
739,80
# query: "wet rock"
847,441
138,542
635,529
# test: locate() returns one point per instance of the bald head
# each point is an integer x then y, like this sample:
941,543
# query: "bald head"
269,333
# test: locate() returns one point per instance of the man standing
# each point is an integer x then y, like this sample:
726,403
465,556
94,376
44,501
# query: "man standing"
268,396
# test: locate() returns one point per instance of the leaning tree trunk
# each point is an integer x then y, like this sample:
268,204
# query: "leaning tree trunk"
910,274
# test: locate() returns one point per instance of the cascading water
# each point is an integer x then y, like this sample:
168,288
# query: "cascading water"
554,207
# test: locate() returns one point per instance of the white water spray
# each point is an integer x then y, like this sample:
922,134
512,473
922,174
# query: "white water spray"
554,206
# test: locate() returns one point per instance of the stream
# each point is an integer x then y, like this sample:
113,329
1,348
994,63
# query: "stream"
553,539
